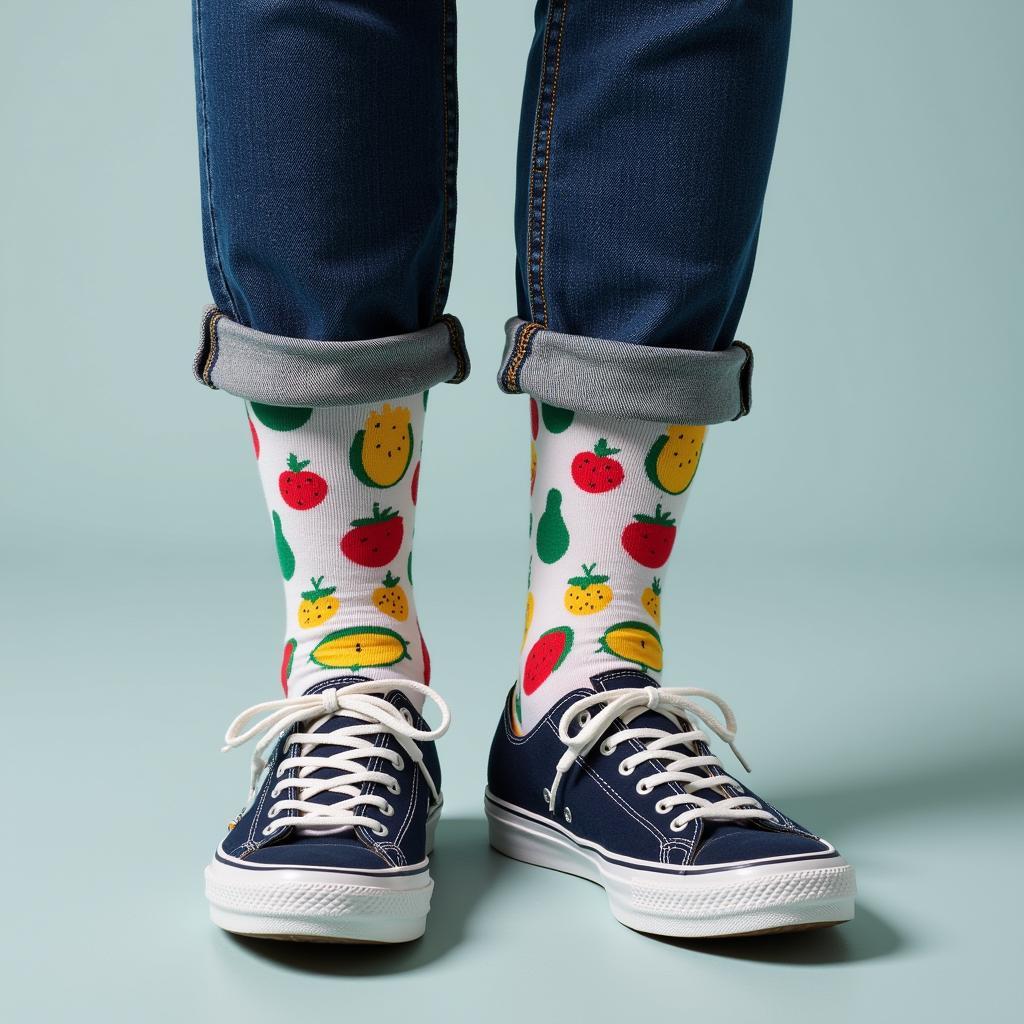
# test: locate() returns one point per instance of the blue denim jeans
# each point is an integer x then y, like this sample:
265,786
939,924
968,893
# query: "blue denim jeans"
328,145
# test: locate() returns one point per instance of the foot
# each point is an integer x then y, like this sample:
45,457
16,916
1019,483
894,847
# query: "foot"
619,787
333,845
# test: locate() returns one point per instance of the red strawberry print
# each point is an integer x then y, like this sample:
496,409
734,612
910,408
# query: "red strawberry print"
649,540
375,540
415,483
596,471
255,438
300,488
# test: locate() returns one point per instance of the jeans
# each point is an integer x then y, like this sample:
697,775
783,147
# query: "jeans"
328,146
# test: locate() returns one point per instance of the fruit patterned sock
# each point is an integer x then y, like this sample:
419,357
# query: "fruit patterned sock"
607,496
341,485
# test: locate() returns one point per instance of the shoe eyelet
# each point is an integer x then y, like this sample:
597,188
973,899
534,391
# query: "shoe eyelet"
274,811
546,793
675,826
407,715
388,811
582,718
382,831
269,830
625,769
394,789
661,807
643,787
567,814
606,748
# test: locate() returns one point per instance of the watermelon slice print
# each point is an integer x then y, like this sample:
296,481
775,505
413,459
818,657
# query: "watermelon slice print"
287,658
547,653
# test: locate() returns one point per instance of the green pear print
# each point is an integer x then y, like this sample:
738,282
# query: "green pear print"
555,419
280,417
552,533
285,555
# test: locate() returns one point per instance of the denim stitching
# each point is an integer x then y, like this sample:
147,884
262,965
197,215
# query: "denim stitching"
746,373
524,340
529,193
450,128
209,349
206,159
550,70
457,341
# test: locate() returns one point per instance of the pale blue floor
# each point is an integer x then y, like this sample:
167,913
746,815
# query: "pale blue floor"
881,704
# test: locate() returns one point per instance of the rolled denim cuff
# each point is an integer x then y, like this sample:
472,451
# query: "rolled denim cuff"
663,385
276,370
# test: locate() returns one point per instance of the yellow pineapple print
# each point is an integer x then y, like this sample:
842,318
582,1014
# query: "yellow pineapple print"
318,605
651,600
529,617
382,450
588,593
391,598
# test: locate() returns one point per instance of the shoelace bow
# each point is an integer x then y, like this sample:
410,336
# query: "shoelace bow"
676,705
362,701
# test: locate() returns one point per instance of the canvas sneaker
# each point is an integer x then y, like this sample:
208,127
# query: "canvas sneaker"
334,842
619,785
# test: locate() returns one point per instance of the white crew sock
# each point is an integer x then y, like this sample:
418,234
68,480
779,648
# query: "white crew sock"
607,499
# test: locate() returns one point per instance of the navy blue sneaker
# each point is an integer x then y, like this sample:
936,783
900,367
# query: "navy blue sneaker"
333,846
618,786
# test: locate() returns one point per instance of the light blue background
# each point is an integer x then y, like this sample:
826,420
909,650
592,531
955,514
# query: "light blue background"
850,577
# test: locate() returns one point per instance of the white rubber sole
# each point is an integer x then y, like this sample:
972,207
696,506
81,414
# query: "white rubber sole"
320,906
761,898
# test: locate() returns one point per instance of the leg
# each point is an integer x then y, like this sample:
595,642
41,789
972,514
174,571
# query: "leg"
647,136
327,163
327,133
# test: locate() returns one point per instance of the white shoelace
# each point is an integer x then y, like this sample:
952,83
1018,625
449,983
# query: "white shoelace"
675,704
363,701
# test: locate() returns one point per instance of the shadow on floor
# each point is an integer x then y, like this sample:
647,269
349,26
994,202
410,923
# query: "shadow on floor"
866,937
463,867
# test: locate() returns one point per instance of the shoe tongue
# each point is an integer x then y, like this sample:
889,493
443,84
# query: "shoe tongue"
329,725
622,679
618,680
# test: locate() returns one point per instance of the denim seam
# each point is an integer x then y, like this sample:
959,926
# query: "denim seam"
207,171
524,339
206,357
746,373
457,342
550,69
449,128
